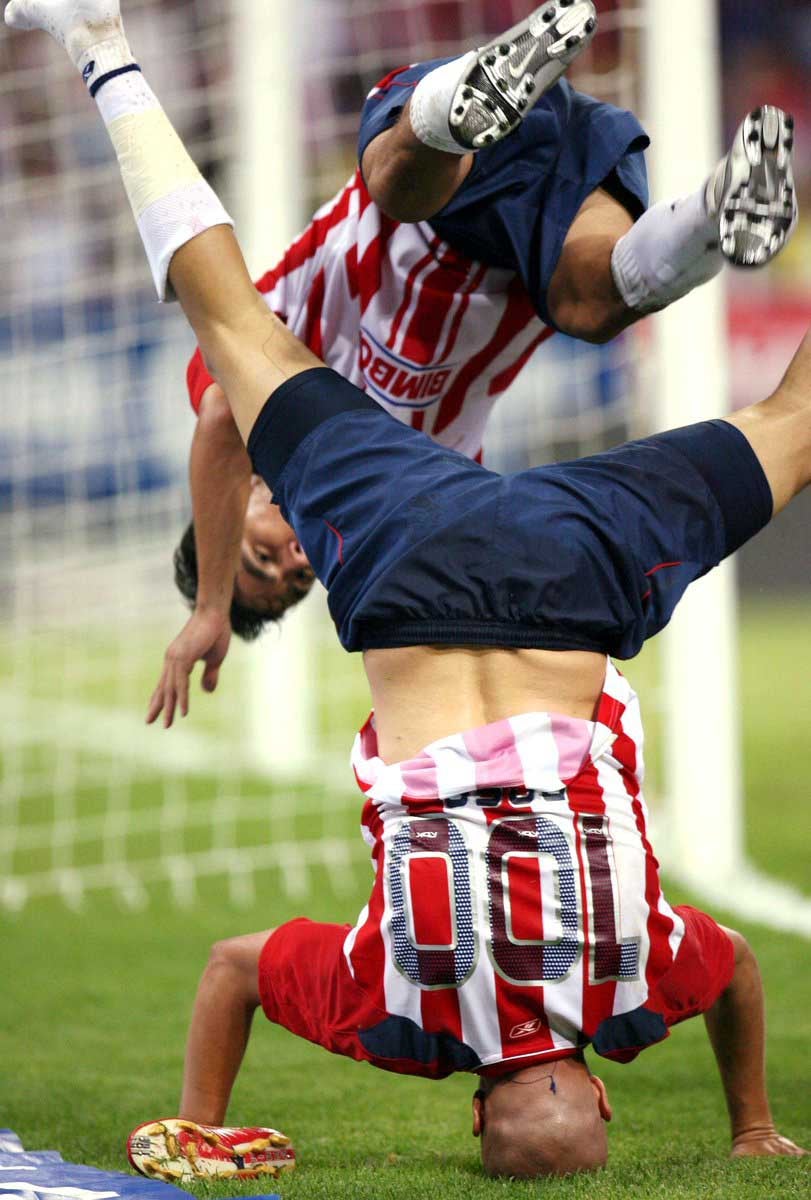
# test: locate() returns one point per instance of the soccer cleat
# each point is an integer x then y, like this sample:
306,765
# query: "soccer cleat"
752,189
178,1151
72,23
511,74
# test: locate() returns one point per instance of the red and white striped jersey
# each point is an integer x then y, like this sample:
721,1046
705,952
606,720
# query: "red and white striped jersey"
516,906
434,336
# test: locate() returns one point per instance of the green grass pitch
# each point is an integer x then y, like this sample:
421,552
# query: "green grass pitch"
94,1007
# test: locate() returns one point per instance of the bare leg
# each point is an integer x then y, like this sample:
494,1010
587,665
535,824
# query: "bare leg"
779,430
226,1000
737,1031
583,299
407,179
249,351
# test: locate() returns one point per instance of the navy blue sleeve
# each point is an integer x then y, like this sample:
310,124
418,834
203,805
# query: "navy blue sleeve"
518,203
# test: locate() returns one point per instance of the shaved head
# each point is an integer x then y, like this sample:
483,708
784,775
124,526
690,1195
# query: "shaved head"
544,1120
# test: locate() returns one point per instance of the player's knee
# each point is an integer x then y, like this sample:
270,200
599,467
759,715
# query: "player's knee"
593,321
743,951
224,955
395,188
237,958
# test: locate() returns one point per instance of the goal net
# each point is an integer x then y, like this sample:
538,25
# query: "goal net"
254,788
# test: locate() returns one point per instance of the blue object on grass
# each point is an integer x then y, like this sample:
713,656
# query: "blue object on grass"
44,1175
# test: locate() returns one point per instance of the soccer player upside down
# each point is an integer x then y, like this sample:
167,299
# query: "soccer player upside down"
516,916
451,254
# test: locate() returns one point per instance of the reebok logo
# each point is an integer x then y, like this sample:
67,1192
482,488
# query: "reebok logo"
402,384
525,1028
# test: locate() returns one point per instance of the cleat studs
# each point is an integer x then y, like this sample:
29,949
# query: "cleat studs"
530,86
490,60
754,136
460,111
502,83
756,115
490,105
504,49
488,137
789,143
572,41
566,3
789,121
467,94
590,25
549,15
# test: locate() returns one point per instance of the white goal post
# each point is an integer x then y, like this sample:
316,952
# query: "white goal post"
701,839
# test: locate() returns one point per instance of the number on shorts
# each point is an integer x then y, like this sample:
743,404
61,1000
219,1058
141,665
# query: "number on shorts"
536,918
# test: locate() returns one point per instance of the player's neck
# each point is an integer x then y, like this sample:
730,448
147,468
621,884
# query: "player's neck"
423,693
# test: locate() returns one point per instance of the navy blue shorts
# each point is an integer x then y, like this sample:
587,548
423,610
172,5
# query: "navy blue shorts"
517,204
417,545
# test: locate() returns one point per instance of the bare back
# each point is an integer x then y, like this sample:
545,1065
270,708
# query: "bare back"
422,693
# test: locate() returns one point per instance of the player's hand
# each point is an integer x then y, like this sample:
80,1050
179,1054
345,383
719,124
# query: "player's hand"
758,1143
204,638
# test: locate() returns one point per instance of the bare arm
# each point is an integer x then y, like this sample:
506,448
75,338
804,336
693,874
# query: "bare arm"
220,478
737,1029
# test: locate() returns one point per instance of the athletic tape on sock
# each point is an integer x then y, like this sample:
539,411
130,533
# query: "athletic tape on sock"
170,200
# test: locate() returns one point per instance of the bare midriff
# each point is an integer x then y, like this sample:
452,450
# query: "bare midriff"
423,693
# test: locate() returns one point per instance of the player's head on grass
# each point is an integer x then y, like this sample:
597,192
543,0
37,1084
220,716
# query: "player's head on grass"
544,1120
273,572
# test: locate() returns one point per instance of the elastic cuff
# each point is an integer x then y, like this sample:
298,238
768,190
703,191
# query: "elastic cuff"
628,277
106,57
294,410
732,472
174,220
102,79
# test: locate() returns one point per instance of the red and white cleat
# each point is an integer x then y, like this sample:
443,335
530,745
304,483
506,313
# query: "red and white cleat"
177,1151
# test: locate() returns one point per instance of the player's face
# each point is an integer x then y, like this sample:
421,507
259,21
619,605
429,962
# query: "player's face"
273,571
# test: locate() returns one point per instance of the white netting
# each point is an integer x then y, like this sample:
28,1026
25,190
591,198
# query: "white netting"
94,434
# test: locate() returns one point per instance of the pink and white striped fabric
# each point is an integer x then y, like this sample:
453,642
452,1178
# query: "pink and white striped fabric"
516,904
434,336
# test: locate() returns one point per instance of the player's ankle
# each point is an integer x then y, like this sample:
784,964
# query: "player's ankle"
668,252
104,57
430,105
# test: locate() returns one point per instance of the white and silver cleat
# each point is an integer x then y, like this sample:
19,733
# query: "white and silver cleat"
511,74
752,190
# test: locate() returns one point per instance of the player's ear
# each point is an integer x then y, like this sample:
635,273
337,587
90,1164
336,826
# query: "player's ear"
478,1113
606,1111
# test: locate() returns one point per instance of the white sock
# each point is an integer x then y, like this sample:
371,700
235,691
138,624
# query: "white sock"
670,250
431,101
170,200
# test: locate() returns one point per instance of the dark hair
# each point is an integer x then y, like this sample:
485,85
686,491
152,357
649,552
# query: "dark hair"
246,622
